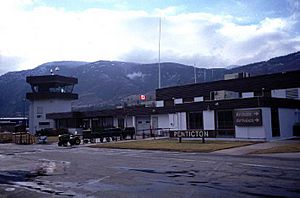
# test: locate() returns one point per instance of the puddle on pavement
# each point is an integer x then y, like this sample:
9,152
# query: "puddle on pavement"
27,179
184,173
9,177
9,189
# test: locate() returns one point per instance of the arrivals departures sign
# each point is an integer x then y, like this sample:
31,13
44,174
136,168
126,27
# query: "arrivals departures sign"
251,117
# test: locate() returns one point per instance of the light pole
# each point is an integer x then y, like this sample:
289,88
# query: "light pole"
195,74
24,106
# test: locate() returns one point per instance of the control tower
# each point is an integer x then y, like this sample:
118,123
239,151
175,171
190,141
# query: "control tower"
50,94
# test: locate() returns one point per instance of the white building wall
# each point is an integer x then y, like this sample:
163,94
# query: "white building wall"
115,122
256,132
163,121
178,121
133,121
48,106
130,121
172,121
278,93
182,121
287,118
247,94
209,120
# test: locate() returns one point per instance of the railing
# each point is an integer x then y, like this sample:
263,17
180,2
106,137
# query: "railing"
155,132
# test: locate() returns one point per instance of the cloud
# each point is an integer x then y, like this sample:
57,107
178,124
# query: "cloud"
38,34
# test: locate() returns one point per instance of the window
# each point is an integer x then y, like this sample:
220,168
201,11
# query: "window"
198,99
178,101
212,95
262,93
188,100
247,95
107,122
95,123
169,103
44,123
225,124
278,93
195,120
160,103
225,120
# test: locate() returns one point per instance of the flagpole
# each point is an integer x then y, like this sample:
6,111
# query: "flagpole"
195,74
159,37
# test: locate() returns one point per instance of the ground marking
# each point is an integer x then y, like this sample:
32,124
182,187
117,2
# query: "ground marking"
98,180
266,166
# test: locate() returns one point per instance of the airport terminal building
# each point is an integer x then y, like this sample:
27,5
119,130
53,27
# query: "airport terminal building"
262,107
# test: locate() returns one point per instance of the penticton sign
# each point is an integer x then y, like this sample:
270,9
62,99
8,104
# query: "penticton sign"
192,133
251,117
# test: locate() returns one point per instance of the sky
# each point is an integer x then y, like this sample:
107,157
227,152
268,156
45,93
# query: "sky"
204,33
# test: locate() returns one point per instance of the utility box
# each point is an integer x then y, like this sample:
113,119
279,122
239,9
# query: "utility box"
223,95
5,137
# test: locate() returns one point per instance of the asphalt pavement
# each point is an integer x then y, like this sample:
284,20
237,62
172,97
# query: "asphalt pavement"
51,171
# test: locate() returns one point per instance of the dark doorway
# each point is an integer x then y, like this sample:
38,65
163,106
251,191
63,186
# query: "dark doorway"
225,124
121,123
195,120
275,122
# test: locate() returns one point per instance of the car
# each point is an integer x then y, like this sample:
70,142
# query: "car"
43,139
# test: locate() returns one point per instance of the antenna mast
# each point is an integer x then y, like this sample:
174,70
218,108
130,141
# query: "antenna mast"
159,37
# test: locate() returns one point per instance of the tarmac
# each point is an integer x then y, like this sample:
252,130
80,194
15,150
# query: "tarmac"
37,170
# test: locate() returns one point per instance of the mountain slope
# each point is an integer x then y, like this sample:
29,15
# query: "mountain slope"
289,62
13,86
105,83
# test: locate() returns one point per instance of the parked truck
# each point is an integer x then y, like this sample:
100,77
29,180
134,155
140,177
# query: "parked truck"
108,134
